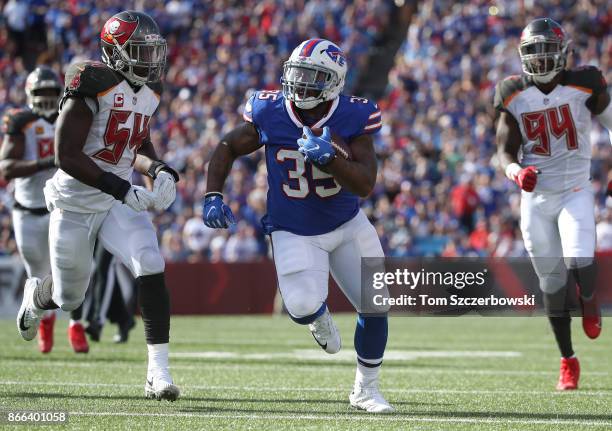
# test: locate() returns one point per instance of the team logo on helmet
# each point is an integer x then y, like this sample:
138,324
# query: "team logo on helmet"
335,54
118,30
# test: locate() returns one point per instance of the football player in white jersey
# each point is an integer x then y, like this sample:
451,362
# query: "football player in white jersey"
27,157
544,146
102,136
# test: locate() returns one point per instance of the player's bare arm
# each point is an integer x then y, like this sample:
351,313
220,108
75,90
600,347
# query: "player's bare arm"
241,141
357,175
508,139
11,163
73,126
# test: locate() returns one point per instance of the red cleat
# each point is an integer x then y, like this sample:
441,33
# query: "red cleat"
45,333
568,374
76,335
591,317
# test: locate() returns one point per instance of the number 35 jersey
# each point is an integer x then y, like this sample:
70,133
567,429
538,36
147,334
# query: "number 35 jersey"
301,198
121,117
37,133
555,127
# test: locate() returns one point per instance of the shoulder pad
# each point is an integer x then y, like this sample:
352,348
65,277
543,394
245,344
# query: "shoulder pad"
586,78
367,113
89,78
15,120
508,88
258,102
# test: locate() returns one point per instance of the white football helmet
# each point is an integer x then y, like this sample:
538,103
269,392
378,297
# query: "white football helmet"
314,73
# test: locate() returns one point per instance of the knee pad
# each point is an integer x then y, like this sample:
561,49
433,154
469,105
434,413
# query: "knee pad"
150,261
550,284
299,306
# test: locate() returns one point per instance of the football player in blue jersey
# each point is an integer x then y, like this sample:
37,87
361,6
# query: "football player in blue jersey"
313,213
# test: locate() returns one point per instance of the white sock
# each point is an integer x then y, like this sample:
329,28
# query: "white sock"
74,322
365,376
158,356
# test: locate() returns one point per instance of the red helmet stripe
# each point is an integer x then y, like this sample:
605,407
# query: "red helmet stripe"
309,47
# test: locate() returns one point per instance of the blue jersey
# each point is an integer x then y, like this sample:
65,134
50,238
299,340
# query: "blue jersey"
301,198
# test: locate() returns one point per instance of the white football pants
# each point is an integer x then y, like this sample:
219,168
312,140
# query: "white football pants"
127,234
303,264
32,237
559,233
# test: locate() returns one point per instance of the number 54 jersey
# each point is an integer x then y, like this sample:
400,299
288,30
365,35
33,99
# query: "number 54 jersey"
302,199
121,115
555,127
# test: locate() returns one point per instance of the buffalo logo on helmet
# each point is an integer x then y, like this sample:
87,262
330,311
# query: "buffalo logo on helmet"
118,30
335,54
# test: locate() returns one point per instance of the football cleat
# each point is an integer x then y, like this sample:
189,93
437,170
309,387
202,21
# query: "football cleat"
27,318
78,340
370,399
569,374
160,386
326,333
45,333
591,317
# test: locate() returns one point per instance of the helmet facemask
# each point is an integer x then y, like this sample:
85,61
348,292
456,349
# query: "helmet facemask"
543,58
307,85
44,100
141,62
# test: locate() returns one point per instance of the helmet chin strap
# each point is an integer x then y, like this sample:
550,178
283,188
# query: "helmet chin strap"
309,104
544,79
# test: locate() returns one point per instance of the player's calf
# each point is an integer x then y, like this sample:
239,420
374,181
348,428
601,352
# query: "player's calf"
155,308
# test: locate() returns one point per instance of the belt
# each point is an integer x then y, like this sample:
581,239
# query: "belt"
34,211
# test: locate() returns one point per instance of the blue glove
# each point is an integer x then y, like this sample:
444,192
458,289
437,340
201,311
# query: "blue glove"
216,214
317,149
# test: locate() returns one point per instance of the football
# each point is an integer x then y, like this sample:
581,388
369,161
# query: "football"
341,147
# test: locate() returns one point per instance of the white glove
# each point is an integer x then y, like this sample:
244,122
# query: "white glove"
164,190
139,199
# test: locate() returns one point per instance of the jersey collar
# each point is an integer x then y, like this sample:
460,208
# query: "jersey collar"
319,124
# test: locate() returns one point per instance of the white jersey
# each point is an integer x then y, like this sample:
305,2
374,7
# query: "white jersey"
120,123
38,134
555,127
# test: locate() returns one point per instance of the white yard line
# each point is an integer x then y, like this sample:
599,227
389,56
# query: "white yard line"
296,367
354,417
315,389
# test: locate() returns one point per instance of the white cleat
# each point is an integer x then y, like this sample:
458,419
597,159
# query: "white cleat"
27,319
369,399
325,333
160,386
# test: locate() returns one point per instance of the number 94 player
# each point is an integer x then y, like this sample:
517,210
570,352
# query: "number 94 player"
545,115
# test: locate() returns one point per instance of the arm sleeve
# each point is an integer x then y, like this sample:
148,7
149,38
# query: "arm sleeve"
373,119
248,112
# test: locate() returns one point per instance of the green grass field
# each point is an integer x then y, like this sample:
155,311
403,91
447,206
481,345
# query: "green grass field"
267,373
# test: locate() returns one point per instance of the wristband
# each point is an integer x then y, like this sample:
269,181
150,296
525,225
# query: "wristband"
211,194
113,185
157,166
512,171
45,163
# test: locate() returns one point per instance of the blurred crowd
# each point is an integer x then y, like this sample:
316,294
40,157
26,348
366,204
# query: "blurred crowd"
438,191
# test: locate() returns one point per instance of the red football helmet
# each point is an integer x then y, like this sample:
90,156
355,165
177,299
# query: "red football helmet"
133,46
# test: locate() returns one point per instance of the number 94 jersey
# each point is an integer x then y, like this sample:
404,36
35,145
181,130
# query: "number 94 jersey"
301,198
555,127
121,117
